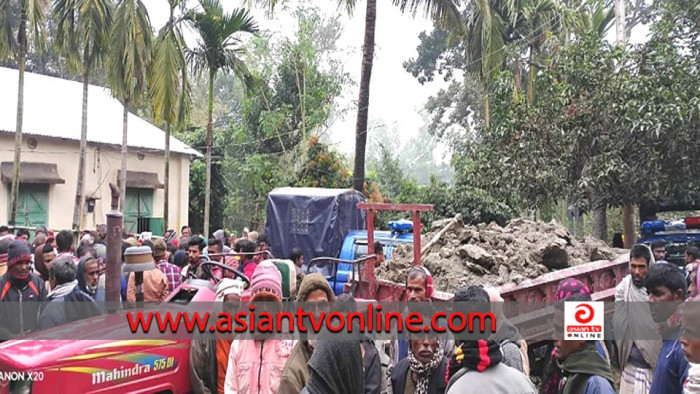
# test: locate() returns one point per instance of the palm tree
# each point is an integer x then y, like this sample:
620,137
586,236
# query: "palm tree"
169,87
13,45
82,36
219,49
130,54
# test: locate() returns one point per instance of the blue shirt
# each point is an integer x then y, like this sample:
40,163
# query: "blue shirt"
598,385
671,369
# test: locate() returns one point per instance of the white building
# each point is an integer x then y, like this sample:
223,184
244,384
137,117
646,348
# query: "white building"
50,153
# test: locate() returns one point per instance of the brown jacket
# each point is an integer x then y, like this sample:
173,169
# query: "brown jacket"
155,286
296,371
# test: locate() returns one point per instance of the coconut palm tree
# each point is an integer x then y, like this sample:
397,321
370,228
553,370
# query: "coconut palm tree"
129,57
17,31
219,49
169,89
82,35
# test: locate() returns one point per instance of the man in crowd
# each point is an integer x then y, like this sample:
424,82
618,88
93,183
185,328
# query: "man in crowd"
64,244
692,254
23,234
88,276
249,263
185,231
4,231
690,343
155,284
637,353
419,288
67,303
584,370
423,370
313,289
507,335
666,287
171,271
297,257
195,247
477,365
658,248
21,293
379,252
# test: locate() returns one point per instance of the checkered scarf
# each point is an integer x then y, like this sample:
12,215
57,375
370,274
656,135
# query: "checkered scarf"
424,370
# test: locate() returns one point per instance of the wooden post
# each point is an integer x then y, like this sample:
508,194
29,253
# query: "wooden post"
115,223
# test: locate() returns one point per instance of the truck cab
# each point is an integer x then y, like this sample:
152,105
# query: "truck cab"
355,247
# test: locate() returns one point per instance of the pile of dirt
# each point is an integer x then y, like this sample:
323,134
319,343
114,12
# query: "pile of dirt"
488,254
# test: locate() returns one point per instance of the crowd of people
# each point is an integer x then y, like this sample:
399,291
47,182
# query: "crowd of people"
36,279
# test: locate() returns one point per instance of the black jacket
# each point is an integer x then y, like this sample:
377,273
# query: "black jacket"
20,301
437,384
75,305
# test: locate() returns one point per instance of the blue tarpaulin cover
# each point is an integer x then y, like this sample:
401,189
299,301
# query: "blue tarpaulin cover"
313,219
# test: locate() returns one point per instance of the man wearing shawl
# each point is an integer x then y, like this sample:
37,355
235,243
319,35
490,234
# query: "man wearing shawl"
423,371
635,330
330,373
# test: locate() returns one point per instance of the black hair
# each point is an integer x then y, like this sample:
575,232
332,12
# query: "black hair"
196,241
4,229
64,241
248,247
666,275
378,247
658,244
617,241
263,238
47,249
183,228
22,231
296,253
640,251
217,242
693,252
472,298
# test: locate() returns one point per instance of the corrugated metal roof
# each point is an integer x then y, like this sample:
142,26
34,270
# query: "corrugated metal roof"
53,108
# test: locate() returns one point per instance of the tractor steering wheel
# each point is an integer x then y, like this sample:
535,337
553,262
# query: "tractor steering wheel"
206,269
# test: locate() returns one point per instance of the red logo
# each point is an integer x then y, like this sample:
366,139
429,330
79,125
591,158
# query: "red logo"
584,313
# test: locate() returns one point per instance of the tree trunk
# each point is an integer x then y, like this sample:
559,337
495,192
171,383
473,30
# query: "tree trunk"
125,153
531,78
628,232
358,182
210,137
21,63
80,188
487,108
600,223
166,171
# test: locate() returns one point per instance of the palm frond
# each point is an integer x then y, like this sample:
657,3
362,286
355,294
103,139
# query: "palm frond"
8,43
36,23
445,13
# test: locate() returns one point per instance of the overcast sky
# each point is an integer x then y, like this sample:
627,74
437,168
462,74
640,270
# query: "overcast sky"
395,96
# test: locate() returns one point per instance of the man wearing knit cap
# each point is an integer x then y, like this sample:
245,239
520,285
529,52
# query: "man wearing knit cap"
314,288
254,366
20,293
